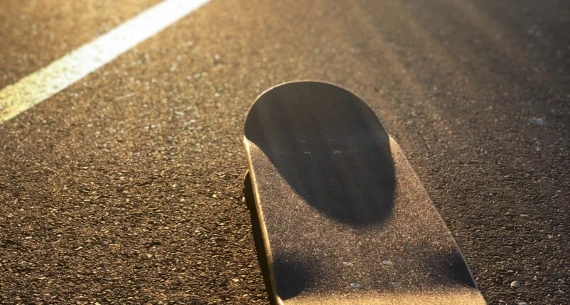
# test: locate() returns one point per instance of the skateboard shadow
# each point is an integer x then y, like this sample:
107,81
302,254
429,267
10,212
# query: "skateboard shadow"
330,148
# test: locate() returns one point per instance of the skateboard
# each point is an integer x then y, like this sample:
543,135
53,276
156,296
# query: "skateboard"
338,214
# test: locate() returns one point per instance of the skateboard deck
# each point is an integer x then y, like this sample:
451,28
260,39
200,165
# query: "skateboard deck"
339,214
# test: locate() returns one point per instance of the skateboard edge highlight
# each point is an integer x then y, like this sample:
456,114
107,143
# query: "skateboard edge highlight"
267,253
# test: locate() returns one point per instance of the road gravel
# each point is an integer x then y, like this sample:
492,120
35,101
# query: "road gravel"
126,188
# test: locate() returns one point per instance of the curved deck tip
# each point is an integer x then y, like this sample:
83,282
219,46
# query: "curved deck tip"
298,100
302,82
329,146
300,85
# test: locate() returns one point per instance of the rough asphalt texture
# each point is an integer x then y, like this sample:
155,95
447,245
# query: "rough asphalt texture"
35,33
126,188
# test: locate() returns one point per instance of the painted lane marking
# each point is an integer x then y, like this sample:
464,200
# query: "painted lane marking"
42,84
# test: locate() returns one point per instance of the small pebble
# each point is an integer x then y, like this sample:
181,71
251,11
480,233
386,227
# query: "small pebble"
515,284
537,121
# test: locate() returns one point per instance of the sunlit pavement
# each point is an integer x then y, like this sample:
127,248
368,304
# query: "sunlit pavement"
126,187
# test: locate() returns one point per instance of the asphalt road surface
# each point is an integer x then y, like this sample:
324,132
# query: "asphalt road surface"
126,187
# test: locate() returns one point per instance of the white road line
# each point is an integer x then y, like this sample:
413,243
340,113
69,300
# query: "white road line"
42,84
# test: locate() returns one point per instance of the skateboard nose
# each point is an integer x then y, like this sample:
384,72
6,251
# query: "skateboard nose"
330,148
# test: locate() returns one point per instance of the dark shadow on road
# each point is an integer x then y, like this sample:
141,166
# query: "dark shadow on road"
330,147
